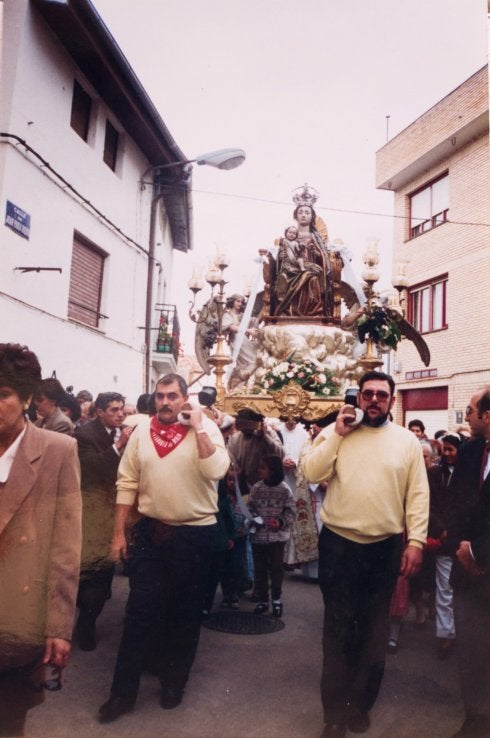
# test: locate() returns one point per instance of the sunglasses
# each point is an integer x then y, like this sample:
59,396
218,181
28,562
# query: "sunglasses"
381,395
53,684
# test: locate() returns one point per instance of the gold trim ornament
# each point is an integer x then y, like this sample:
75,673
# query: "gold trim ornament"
290,402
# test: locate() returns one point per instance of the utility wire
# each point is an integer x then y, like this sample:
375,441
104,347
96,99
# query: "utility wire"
330,209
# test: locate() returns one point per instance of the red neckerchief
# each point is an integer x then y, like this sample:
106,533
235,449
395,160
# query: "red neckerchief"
166,437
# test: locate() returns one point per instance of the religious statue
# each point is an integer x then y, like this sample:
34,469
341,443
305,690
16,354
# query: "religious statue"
245,363
300,279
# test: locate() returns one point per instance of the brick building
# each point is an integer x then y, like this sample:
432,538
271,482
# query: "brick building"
439,171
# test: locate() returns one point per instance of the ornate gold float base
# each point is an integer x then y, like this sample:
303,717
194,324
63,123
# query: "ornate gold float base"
289,402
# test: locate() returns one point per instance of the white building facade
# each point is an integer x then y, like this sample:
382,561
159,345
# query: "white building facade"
85,249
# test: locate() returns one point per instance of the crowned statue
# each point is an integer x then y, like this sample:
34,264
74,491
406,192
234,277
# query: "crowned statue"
298,315
302,277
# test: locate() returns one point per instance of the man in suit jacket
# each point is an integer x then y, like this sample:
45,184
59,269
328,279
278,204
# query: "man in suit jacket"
47,399
469,532
40,539
100,445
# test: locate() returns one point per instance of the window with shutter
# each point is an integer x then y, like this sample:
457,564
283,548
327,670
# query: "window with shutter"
111,143
81,106
87,270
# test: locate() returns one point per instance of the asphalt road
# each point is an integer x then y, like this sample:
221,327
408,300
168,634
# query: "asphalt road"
253,686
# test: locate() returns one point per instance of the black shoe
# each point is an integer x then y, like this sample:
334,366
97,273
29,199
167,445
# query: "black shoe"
261,608
358,722
276,609
85,632
445,647
114,708
171,698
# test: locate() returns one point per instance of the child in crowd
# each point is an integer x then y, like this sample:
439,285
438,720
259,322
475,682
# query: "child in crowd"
221,562
240,579
271,500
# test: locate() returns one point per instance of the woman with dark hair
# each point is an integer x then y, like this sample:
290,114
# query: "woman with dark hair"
40,539
272,502
71,408
47,399
440,500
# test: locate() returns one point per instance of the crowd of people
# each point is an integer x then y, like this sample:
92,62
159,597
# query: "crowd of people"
188,499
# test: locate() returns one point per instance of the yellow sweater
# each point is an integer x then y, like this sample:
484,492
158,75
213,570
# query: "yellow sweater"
178,489
377,483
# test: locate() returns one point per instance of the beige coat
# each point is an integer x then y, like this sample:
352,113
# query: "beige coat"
40,541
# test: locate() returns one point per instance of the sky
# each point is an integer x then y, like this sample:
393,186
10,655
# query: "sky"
309,90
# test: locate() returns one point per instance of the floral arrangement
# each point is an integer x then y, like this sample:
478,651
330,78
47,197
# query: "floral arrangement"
380,327
307,374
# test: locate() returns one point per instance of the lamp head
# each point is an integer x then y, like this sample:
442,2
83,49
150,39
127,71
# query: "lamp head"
222,159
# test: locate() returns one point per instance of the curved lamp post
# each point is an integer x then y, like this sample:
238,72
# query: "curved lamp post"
221,159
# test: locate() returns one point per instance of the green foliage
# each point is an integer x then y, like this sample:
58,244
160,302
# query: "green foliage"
380,327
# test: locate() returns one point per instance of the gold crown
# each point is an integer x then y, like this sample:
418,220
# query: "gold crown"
305,195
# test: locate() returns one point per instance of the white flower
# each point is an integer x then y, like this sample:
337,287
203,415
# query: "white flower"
322,378
290,374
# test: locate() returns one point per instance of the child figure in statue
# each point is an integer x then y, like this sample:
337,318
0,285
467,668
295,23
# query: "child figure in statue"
290,249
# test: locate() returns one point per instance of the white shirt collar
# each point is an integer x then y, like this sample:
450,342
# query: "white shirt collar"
8,457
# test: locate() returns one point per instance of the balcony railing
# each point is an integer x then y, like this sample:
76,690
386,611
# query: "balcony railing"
168,331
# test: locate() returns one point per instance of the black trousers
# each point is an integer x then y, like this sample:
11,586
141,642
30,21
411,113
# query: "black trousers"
268,560
94,589
168,573
471,602
357,581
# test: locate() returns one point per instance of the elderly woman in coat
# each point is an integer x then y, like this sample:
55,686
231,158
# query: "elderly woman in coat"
40,540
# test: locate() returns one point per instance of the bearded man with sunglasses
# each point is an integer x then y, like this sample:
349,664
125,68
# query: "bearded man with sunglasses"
377,488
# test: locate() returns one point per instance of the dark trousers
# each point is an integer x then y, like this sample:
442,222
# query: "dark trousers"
168,573
94,589
240,578
220,572
268,558
357,582
471,603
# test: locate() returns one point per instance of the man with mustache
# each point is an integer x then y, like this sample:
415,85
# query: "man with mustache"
377,487
168,473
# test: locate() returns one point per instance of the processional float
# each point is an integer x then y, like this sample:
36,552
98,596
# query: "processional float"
309,328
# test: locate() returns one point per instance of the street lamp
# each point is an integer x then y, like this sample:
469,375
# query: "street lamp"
214,309
221,159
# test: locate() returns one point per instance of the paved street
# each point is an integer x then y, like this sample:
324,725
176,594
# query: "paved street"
261,686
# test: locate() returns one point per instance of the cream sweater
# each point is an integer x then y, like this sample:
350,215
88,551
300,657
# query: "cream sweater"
377,483
178,489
